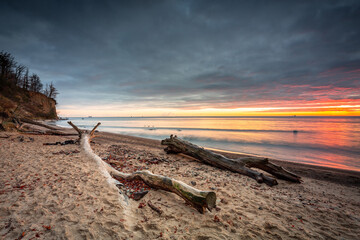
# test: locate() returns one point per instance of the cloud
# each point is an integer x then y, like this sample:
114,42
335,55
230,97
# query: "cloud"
187,54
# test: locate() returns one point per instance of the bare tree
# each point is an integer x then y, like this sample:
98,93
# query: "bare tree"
7,63
26,80
20,69
53,92
35,83
38,85
46,90
16,75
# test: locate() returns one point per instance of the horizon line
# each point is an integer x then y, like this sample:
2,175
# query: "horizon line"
256,116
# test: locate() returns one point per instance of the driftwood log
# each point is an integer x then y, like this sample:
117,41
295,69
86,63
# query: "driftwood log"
241,165
47,132
50,130
196,198
25,120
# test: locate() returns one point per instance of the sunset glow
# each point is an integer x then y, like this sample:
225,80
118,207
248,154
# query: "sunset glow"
316,109
201,59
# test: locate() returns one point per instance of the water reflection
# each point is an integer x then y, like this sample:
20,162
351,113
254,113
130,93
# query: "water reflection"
332,142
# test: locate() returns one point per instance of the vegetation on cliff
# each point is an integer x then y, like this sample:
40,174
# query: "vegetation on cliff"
22,95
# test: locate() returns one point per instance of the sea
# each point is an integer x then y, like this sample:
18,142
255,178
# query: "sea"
323,141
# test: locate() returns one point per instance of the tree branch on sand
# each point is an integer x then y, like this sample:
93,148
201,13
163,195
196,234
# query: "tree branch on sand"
49,130
241,165
196,198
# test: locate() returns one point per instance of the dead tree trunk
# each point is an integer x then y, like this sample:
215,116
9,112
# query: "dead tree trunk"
49,129
25,120
241,165
47,132
198,199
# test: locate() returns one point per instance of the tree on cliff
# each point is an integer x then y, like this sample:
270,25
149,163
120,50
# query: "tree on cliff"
50,91
17,91
19,71
7,63
35,83
25,80
13,75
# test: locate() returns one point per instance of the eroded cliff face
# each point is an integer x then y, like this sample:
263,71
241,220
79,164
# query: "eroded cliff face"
40,106
26,104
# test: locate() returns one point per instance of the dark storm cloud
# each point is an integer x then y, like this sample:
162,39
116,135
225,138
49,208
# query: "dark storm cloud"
191,53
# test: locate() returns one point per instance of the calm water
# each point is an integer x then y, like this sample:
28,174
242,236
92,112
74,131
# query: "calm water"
331,141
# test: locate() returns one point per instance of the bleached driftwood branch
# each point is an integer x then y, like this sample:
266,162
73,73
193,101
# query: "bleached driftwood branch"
197,198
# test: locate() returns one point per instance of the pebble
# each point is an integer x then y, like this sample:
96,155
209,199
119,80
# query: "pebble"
139,195
224,201
193,183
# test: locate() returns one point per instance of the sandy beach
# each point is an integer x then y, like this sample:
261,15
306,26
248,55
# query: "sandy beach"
142,120
56,192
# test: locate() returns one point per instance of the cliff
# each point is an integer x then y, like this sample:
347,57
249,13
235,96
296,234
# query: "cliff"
20,103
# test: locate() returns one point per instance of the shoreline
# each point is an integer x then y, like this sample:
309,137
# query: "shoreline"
341,176
346,159
54,191
336,175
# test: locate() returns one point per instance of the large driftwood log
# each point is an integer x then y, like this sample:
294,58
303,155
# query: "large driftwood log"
25,120
241,165
49,129
196,198
47,132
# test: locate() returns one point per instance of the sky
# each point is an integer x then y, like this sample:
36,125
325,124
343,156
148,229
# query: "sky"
190,58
